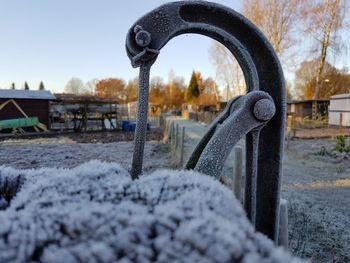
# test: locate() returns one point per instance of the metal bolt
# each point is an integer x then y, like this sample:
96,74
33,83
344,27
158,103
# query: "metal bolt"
264,109
142,37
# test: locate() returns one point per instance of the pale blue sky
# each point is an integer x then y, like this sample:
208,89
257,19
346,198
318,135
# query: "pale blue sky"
54,41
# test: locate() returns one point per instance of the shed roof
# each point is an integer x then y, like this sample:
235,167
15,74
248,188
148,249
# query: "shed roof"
341,96
85,99
305,101
26,94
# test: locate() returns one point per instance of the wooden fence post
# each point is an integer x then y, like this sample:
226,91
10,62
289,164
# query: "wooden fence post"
182,146
289,129
340,122
238,161
172,136
176,137
283,224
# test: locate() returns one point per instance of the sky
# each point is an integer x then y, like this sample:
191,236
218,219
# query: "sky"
53,41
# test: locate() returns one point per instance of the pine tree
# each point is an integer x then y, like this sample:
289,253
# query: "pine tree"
13,85
26,87
41,86
193,88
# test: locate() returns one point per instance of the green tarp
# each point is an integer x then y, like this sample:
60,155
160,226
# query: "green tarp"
19,123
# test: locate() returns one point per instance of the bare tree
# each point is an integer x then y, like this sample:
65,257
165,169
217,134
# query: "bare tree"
278,20
323,20
75,86
90,86
228,71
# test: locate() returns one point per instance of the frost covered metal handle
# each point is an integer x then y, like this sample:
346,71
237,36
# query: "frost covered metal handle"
261,69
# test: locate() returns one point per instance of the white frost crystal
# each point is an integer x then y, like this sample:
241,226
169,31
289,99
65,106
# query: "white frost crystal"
96,213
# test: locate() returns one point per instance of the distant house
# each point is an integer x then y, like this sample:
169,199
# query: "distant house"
307,108
339,110
15,104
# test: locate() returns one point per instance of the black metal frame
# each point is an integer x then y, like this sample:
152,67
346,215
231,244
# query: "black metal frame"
263,107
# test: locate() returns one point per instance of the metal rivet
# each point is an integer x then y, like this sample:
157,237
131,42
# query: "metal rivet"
142,37
264,109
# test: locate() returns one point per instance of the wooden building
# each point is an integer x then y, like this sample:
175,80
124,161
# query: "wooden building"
301,109
83,113
26,104
339,110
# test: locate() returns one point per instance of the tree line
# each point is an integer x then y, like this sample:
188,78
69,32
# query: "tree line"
168,95
26,86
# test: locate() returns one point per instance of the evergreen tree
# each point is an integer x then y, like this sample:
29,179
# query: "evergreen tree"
41,86
13,85
26,87
193,89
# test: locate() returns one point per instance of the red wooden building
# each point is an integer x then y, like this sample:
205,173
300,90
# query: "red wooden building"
33,103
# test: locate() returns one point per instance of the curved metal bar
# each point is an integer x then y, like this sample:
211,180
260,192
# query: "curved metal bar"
259,64
197,152
241,121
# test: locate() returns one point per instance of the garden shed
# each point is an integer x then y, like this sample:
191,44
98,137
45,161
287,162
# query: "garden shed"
82,112
339,110
24,109
301,109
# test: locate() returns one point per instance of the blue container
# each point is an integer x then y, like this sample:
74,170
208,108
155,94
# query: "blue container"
125,126
132,126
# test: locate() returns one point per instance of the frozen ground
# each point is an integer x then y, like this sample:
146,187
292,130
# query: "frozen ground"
62,152
318,191
317,188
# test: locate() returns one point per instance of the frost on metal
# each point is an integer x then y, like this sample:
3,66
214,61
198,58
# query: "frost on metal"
96,213
262,72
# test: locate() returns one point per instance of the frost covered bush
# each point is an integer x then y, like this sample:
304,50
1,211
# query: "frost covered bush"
96,213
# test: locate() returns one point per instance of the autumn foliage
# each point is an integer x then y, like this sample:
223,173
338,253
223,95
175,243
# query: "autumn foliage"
110,88
169,96
333,81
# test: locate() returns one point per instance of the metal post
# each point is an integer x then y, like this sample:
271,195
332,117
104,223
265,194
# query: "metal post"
141,127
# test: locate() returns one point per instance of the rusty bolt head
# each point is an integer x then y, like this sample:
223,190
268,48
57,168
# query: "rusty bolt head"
264,109
142,37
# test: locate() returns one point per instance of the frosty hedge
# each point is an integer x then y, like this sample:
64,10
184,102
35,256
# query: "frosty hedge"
96,213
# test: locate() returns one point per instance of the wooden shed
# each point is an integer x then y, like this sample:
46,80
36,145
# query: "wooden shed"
339,110
301,109
18,104
83,112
